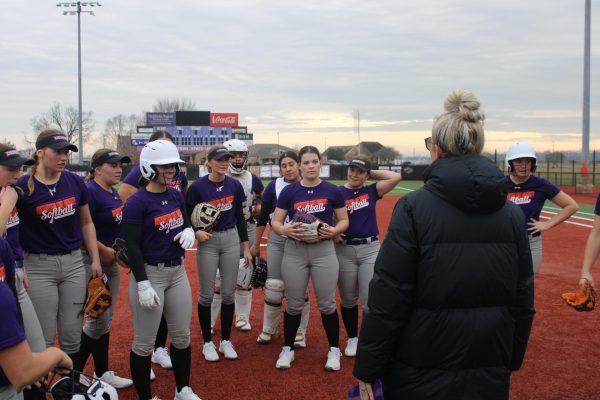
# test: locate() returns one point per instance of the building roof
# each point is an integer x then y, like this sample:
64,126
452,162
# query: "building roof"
267,150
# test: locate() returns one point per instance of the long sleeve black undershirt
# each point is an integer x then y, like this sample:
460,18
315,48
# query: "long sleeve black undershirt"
265,214
132,234
241,222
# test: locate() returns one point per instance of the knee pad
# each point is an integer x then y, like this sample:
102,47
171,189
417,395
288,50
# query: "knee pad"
218,282
274,292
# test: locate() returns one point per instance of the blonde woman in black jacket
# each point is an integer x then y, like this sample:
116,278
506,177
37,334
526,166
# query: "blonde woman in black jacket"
451,300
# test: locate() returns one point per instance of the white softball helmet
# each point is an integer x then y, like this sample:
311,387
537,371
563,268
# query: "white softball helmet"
237,146
158,152
520,150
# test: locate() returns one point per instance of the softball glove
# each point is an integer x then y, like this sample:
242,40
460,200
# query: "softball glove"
205,216
121,252
582,299
310,226
99,297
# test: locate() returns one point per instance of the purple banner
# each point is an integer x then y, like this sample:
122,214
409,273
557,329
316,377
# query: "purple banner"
160,119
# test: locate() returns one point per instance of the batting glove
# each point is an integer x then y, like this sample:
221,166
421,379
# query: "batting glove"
186,238
147,296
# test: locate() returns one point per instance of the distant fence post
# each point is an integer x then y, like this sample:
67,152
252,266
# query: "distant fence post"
594,167
561,169
574,176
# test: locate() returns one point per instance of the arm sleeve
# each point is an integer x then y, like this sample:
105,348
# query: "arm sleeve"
523,311
265,213
391,294
132,233
241,222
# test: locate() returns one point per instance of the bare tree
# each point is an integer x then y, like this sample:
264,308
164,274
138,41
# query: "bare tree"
173,104
8,143
119,125
387,154
64,119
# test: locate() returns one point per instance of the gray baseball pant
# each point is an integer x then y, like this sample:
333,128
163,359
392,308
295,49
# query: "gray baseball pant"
57,289
97,327
356,271
31,323
535,244
173,288
302,261
220,252
275,248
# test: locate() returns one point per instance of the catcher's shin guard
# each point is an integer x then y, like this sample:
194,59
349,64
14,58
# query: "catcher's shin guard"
271,316
243,306
300,340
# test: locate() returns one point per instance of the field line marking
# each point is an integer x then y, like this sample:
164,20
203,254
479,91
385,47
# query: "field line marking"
570,222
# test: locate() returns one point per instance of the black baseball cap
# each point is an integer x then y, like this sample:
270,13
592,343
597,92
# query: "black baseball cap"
12,158
110,157
218,153
56,142
361,164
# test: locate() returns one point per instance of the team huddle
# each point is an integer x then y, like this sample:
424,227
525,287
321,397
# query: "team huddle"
62,232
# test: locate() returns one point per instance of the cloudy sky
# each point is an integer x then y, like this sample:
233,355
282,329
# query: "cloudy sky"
302,68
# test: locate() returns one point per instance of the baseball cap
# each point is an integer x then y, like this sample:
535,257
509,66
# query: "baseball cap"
56,142
11,158
361,164
218,153
110,157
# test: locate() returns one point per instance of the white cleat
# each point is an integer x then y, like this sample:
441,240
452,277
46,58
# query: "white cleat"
333,359
300,340
242,323
152,375
351,345
115,381
264,338
161,356
186,394
285,358
226,347
210,352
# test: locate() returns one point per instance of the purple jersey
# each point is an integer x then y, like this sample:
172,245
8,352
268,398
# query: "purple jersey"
161,218
225,198
269,198
597,208
360,204
11,330
50,221
257,185
319,200
107,213
133,178
531,195
12,236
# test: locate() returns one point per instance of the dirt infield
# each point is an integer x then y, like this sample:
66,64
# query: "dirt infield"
561,361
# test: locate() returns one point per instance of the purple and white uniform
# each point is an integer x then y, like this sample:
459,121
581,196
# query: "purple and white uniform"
530,196
179,182
357,253
319,200
51,238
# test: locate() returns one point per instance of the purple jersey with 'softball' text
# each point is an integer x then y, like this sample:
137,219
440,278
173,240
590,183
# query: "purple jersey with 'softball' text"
225,197
161,218
360,204
318,200
49,217
107,213
12,234
178,182
531,195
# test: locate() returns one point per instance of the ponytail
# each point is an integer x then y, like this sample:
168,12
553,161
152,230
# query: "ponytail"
31,171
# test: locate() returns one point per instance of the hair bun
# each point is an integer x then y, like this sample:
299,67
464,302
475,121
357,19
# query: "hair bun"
464,104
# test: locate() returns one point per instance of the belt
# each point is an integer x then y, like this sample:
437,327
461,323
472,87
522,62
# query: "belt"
18,263
175,262
359,241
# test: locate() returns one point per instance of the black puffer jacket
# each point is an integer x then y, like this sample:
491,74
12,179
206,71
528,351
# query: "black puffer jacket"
451,300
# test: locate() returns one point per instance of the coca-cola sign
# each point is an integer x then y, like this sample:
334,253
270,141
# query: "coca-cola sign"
223,119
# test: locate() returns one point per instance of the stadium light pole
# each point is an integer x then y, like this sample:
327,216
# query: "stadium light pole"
586,87
78,5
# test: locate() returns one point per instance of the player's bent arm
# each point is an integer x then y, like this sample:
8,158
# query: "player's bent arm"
568,207
88,230
386,180
278,220
343,223
22,367
107,254
8,201
126,191
591,252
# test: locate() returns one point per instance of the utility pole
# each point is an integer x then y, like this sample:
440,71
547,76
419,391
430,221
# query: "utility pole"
586,87
78,5
357,126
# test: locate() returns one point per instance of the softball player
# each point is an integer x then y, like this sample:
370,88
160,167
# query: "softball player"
156,231
18,365
302,261
55,223
219,249
530,192
358,247
592,250
274,287
106,209
130,185
253,189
